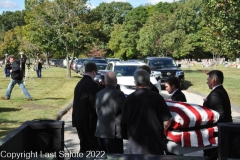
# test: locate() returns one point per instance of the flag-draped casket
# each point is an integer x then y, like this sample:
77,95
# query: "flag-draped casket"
193,125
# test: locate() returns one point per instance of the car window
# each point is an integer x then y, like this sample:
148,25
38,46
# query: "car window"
101,67
98,61
81,60
125,70
163,63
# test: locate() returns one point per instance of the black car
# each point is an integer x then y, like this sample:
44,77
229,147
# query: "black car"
165,67
101,64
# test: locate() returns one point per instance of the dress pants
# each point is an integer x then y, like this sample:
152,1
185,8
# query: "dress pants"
88,142
111,145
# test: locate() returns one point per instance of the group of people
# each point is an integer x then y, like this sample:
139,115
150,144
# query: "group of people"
16,70
104,116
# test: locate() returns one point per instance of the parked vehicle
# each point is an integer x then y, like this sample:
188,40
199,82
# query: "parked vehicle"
165,67
112,59
77,63
59,63
125,71
99,62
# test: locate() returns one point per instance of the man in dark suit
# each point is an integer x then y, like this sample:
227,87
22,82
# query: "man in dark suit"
172,85
146,117
219,101
109,104
84,116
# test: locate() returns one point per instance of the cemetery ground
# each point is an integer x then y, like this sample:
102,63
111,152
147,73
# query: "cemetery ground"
54,91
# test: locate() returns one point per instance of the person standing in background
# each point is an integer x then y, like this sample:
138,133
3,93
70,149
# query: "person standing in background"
7,66
84,116
38,66
17,77
172,85
22,60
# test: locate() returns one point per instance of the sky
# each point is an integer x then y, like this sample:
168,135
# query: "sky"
13,5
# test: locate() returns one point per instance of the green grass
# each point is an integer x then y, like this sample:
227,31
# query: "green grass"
196,79
50,94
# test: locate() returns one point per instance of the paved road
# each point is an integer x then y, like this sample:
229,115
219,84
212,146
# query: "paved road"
72,141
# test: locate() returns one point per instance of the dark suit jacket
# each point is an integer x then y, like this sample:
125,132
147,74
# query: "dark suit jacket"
142,121
153,88
84,113
109,104
218,100
178,96
17,73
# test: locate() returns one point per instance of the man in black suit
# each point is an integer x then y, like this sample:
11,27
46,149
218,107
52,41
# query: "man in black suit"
219,101
172,85
84,116
146,117
109,104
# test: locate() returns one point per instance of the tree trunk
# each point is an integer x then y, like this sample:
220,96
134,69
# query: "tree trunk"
47,58
68,67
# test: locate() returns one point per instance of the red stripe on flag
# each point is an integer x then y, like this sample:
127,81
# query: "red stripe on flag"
210,115
175,125
194,111
211,138
186,139
182,114
199,138
174,137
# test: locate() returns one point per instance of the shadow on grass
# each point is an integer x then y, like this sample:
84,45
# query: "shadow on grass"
78,76
4,127
35,99
9,109
187,84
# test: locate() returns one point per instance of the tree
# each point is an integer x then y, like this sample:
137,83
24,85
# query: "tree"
63,25
130,33
150,43
10,20
115,41
111,13
223,21
10,44
96,52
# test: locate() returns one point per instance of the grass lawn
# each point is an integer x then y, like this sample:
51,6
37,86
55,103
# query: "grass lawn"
50,94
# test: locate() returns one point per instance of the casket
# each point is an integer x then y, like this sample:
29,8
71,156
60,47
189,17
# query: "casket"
193,127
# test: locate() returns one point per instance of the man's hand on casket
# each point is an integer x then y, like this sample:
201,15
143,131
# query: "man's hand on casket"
166,125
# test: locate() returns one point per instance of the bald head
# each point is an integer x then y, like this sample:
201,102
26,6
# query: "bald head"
110,78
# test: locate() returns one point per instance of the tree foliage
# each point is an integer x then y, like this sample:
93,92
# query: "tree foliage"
223,21
129,33
64,25
111,14
64,28
10,20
